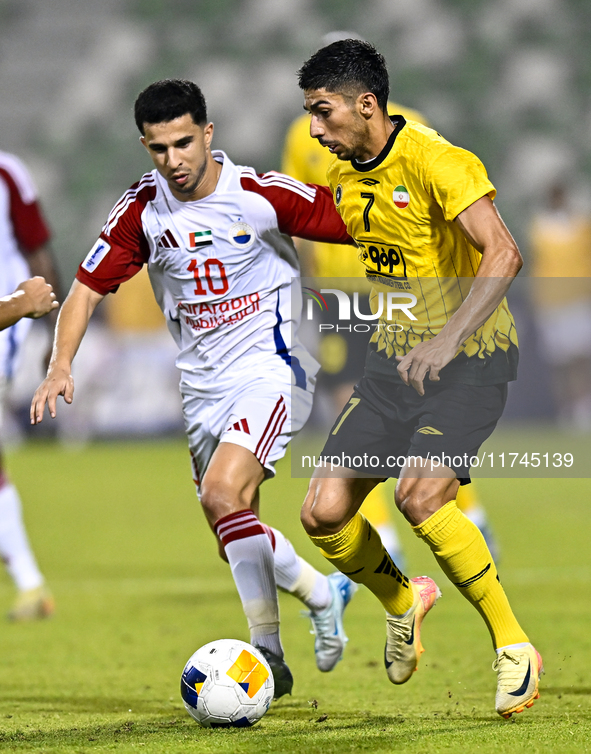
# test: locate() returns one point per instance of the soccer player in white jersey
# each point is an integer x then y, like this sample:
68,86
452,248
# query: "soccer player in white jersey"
24,251
217,241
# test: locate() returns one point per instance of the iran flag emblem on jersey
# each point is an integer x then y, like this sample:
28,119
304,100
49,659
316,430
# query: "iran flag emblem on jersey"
401,197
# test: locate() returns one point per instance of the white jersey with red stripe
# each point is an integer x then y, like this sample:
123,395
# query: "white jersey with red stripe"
223,269
22,230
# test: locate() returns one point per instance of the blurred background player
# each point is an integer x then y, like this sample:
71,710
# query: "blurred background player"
342,354
24,251
560,247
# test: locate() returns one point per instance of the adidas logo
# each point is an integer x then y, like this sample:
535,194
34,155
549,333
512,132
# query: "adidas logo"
388,568
368,181
240,426
167,241
429,431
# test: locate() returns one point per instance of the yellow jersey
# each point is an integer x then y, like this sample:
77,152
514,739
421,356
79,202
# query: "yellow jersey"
304,159
400,208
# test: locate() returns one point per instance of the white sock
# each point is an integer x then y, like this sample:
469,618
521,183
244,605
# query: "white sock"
521,645
15,549
294,575
250,555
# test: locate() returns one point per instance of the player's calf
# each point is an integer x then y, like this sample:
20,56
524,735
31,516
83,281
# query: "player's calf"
418,497
331,501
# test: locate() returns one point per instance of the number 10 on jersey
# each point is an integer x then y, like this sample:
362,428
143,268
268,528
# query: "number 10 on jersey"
216,279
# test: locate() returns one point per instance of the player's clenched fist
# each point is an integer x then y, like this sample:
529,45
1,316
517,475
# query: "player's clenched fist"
39,297
34,298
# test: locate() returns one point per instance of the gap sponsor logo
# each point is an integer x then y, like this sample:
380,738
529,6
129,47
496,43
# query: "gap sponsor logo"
241,235
200,238
96,255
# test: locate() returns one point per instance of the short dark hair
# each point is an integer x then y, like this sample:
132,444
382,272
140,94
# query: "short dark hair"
347,64
169,99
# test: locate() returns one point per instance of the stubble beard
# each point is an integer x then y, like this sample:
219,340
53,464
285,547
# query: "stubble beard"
194,185
357,142
359,138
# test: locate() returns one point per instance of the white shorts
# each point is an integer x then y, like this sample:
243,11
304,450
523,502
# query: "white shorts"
261,416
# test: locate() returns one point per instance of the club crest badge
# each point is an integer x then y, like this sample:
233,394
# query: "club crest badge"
338,195
241,235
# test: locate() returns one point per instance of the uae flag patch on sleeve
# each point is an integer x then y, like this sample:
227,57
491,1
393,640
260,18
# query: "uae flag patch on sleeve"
401,197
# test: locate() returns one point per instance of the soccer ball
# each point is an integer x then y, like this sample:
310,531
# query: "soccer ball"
227,684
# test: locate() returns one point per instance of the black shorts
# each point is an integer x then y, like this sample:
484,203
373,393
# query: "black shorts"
386,422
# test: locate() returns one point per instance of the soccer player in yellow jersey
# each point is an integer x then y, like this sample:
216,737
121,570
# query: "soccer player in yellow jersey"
421,211
304,158
342,363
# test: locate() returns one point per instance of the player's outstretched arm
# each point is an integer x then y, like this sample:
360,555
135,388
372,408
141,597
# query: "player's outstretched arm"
501,261
71,326
34,298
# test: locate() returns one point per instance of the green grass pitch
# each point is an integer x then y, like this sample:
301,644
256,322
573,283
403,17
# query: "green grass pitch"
139,587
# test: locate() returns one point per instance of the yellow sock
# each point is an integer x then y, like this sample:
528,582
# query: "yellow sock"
358,552
461,551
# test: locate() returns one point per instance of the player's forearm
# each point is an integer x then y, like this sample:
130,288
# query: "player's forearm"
501,261
12,308
72,323
497,270
484,297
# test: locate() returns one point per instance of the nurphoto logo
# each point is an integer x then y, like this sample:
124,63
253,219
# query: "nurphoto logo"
389,307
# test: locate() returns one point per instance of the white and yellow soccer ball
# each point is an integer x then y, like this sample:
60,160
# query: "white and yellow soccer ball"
227,684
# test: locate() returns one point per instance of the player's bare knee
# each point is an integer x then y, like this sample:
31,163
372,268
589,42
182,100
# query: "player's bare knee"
319,517
220,498
307,516
417,499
